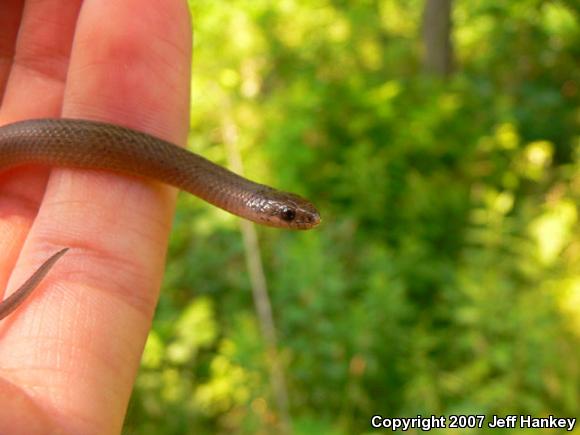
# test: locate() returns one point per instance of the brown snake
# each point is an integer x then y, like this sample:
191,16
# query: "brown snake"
77,143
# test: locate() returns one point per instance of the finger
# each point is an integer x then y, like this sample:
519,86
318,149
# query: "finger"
9,24
35,85
34,71
130,65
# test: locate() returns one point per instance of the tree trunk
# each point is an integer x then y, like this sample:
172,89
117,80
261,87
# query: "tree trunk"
438,50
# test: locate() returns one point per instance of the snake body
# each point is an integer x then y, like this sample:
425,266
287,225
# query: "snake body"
86,144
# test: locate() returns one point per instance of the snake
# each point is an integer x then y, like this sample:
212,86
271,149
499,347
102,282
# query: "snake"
93,145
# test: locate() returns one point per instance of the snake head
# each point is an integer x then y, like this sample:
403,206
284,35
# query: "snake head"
283,210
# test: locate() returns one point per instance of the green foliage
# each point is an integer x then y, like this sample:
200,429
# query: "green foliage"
444,278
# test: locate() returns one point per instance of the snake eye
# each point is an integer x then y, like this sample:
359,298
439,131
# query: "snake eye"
288,214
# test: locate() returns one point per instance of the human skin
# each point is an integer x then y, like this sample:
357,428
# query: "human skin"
69,355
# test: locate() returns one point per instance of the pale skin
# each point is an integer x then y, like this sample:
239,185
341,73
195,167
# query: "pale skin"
70,354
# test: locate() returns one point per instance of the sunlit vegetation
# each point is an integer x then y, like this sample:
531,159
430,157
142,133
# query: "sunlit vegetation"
445,277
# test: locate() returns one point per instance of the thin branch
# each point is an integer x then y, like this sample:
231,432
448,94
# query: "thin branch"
260,288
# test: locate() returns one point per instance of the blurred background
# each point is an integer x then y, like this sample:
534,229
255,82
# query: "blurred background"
441,142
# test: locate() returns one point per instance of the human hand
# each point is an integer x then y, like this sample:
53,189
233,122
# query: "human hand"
69,355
